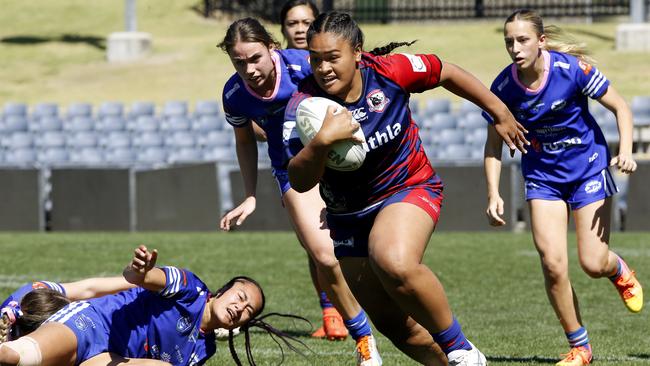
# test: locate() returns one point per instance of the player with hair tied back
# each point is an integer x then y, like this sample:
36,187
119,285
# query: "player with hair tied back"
546,88
265,79
382,215
168,319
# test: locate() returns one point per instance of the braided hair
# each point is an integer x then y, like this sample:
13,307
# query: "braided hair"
259,322
344,26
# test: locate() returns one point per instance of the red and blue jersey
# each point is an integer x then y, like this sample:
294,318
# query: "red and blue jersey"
242,105
18,295
566,142
395,158
138,323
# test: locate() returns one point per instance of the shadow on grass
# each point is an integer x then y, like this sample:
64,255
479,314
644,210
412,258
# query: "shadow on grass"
529,359
26,40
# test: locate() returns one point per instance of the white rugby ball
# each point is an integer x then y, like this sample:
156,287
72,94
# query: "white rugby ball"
344,155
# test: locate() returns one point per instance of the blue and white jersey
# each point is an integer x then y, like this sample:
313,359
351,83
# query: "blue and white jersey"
242,105
145,324
18,295
395,158
566,142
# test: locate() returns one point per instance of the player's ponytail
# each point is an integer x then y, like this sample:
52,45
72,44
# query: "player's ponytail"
556,39
247,30
386,49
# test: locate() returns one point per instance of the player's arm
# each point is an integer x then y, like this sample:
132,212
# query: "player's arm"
465,85
246,147
613,101
142,270
95,287
492,163
107,358
308,166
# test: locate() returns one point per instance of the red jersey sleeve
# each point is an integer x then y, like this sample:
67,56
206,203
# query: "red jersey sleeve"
414,73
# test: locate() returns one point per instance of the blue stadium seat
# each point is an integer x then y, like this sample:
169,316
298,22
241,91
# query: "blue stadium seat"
87,156
51,139
641,110
110,109
176,123
175,108
21,156
216,138
82,139
457,152
443,121
46,124
209,123
152,155
45,110
141,109
468,107
53,156
148,139
79,110
18,140
181,139
116,139
219,153
476,137
435,106
207,108
119,155
15,123
472,121
185,155
144,123
450,136
110,123
79,123
14,109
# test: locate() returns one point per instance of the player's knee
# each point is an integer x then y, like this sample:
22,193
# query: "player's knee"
21,352
555,268
399,272
325,260
594,267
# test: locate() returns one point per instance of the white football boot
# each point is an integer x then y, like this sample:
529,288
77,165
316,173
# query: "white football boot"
462,357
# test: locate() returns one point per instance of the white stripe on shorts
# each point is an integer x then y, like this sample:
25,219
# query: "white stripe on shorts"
64,314
610,187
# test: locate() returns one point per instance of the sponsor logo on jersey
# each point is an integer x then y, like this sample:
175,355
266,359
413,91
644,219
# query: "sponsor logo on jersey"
155,351
349,242
558,104
531,185
360,114
416,62
593,186
381,138
593,157
559,146
294,67
377,101
179,355
194,359
584,66
165,357
80,323
232,90
561,64
183,324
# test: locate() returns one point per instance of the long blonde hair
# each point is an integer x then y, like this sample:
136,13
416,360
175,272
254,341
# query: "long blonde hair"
556,38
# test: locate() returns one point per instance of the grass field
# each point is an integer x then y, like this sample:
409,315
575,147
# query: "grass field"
55,51
493,282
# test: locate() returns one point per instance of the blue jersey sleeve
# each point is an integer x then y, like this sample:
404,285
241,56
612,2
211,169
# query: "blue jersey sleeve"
290,137
229,100
590,80
182,284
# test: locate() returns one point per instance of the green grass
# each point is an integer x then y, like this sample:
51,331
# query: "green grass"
493,282
52,51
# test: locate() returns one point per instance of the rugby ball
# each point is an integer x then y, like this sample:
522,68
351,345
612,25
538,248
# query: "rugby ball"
344,155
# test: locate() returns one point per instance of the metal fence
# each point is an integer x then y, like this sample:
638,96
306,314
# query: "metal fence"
422,10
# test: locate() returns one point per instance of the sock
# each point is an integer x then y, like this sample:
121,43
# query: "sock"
452,338
578,337
619,268
358,326
325,301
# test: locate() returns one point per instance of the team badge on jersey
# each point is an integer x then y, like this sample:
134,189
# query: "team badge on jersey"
584,66
377,101
183,324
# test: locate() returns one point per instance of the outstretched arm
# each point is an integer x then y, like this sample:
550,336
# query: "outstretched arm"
493,146
95,287
464,84
615,103
142,270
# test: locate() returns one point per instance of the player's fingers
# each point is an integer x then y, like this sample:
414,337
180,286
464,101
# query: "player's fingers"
154,257
614,161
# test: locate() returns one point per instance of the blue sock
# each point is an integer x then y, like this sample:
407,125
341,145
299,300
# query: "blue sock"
325,301
619,269
578,338
452,338
358,326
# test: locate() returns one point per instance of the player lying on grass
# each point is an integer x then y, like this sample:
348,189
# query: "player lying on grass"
169,319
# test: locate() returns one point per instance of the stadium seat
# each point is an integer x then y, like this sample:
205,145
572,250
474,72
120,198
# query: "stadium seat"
46,124
641,110
79,110
435,106
457,152
185,155
119,155
45,110
472,121
219,153
176,123
148,139
52,156
209,123
116,139
21,156
14,123
207,108
110,109
152,155
216,138
111,123
174,108
144,123
444,120
141,109
50,139
82,139
450,136
14,109
18,140
468,107
88,156
181,139
79,123
476,137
